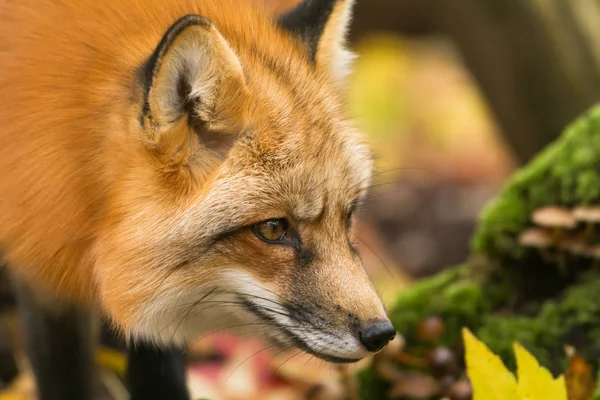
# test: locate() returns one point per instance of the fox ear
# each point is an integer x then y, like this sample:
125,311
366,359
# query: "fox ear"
322,26
194,76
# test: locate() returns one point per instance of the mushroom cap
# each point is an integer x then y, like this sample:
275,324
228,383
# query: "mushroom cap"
414,384
570,350
554,216
587,213
593,252
574,245
536,237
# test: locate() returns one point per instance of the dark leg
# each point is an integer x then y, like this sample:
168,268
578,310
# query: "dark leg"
59,343
156,374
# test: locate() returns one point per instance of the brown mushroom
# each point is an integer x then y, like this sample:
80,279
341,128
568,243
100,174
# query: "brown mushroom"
431,329
446,382
461,390
570,350
593,252
574,246
554,217
536,237
588,213
442,362
415,385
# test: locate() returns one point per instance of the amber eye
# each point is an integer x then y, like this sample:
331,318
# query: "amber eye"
271,231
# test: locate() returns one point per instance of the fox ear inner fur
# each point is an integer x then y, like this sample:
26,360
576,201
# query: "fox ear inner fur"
193,76
322,27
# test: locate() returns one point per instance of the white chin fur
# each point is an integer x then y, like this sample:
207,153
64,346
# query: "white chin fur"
182,317
343,345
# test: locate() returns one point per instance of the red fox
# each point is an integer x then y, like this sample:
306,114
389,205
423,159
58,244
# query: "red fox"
181,167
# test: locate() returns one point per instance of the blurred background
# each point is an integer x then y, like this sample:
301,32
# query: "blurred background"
453,96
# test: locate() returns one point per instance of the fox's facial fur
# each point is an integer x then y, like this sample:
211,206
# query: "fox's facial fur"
232,119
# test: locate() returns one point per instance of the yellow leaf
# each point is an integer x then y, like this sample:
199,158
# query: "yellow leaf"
112,360
489,377
535,382
492,381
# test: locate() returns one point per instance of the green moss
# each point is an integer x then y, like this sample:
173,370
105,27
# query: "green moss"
597,394
564,173
499,332
501,222
453,295
567,319
587,188
413,304
571,318
370,387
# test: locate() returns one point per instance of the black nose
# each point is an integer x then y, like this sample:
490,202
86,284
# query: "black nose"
377,334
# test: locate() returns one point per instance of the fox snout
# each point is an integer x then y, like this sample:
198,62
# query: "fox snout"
340,336
375,335
329,330
329,311
345,303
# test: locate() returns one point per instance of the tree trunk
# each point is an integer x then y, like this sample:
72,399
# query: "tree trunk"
536,61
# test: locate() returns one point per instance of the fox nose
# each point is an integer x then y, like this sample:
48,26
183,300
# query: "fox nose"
376,335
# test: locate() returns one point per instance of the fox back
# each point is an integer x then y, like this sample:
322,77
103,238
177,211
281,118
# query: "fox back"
187,165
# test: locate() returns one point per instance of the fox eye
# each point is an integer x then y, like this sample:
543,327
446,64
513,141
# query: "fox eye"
271,231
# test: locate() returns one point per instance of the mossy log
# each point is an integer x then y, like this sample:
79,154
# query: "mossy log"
507,292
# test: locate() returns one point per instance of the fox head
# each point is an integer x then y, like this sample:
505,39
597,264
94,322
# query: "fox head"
237,184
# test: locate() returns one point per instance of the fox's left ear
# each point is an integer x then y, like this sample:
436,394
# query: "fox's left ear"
322,26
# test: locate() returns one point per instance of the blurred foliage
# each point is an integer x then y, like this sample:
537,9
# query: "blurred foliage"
420,108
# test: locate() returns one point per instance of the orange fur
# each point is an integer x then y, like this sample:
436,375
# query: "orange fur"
100,209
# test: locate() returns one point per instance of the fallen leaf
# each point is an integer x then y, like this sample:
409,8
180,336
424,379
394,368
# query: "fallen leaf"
536,382
488,374
492,381
579,379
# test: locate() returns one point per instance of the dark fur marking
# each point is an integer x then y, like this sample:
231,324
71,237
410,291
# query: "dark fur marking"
307,22
149,69
353,249
278,68
306,256
184,88
295,340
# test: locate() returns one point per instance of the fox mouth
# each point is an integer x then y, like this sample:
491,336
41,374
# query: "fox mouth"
289,337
